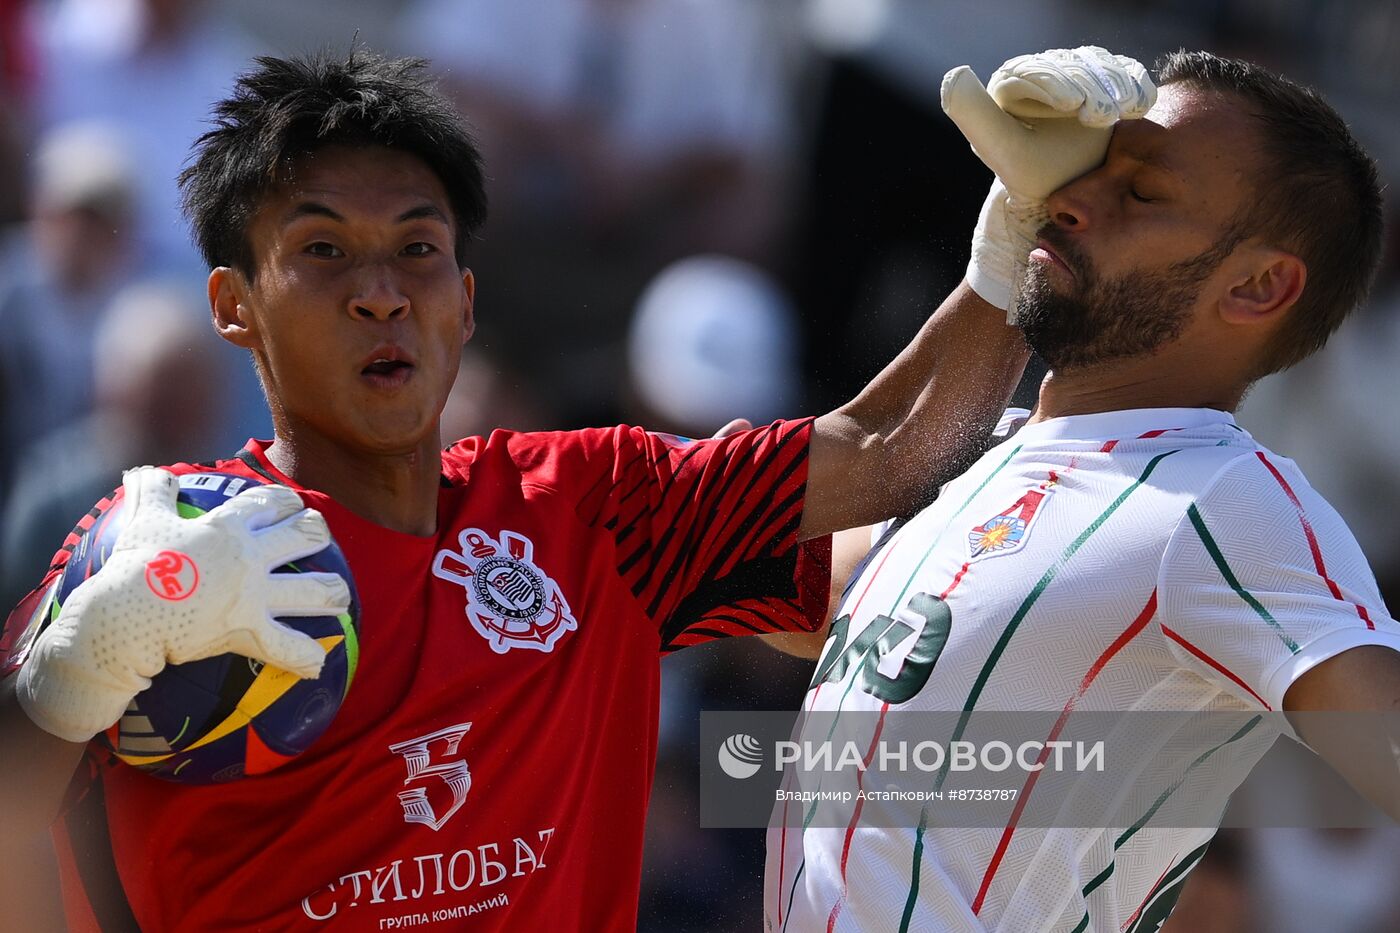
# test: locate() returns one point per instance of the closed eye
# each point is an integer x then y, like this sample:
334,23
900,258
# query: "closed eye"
1141,199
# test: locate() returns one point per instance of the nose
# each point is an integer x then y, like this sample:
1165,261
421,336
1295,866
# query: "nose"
1068,206
378,296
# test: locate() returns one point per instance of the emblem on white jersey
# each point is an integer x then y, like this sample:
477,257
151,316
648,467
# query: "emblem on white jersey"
424,757
511,602
1008,530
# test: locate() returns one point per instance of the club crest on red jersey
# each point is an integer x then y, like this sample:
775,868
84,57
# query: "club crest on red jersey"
511,602
1008,530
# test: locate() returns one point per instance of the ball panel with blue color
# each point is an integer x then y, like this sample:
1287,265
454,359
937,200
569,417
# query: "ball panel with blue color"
222,718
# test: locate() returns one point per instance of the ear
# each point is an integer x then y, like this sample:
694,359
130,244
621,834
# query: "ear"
1268,283
227,294
468,303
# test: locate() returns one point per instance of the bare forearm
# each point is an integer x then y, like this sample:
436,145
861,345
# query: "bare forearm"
35,770
883,453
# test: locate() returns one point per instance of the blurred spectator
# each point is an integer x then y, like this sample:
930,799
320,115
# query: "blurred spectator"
16,76
57,274
1338,880
713,338
619,135
160,399
489,395
151,68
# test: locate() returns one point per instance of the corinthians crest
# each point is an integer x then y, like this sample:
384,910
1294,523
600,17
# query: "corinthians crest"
510,601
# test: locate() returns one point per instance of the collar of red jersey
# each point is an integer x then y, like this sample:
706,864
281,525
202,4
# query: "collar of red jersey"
1132,422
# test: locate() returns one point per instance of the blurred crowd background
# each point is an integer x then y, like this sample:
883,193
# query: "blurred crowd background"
701,209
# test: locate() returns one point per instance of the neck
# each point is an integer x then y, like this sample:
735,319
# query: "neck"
398,490
1151,381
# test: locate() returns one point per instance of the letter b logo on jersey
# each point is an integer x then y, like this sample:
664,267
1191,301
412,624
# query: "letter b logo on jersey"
432,767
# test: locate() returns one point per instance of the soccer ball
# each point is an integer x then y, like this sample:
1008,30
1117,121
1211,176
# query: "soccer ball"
221,718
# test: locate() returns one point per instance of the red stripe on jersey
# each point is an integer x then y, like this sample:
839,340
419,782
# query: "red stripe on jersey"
1215,664
855,818
956,580
889,549
1127,635
1150,891
1109,445
1312,541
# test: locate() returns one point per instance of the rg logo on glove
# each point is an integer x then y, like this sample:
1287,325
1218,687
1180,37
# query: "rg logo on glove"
172,575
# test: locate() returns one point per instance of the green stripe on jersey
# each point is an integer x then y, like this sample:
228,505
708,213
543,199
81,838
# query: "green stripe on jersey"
855,667
1214,550
985,674
1158,905
1132,830
899,600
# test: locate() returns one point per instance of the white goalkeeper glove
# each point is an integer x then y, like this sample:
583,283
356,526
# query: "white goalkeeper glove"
175,590
1041,122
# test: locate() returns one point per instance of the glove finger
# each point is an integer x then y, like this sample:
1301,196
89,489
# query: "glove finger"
1033,86
307,594
258,507
276,644
1139,93
1098,76
996,136
301,535
1117,87
149,492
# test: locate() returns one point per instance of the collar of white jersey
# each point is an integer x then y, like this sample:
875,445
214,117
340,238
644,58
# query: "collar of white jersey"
1132,422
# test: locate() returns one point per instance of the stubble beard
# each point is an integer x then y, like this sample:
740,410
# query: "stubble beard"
1101,319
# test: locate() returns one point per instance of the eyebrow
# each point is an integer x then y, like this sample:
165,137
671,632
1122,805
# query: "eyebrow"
423,212
316,209
1147,152
311,209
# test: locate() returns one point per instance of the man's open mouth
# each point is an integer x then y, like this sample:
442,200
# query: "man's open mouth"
386,367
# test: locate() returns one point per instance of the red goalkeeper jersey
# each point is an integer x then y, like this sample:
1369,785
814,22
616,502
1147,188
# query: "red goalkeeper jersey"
491,765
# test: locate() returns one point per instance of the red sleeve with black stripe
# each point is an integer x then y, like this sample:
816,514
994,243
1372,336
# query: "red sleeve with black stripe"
705,531
22,623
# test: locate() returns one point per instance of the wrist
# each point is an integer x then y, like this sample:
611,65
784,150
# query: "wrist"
1001,244
70,698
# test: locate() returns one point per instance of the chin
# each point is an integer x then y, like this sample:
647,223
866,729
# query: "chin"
396,432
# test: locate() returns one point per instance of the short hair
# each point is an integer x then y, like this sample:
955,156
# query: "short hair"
1319,195
286,108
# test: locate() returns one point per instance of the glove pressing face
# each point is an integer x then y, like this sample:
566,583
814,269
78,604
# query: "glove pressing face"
1041,122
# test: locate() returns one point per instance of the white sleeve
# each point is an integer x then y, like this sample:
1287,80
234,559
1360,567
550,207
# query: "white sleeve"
1262,580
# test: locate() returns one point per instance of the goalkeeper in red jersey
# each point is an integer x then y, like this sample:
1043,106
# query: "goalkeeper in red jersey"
334,199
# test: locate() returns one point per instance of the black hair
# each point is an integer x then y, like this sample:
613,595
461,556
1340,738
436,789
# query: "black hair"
1319,195
286,108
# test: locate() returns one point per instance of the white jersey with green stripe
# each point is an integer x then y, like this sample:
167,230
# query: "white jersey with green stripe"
1145,560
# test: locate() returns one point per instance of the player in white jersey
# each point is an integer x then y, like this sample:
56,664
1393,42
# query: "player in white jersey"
1129,548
